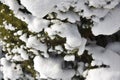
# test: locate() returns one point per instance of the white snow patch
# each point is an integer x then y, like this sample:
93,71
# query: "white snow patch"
23,53
23,37
17,57
51,68
70,16
19,32
82,46
107,57
37,25
114,46
13,5
67,30
80,68
69,57
34,43
8,26
9,71
40,8
109,25
109,4
103,74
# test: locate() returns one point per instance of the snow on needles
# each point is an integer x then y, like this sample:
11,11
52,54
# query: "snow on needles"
63,18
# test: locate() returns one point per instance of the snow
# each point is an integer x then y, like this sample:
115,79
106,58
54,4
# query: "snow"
104,3
17,58
38,7
69,57
37,25
114,46
19,32
13,5
0,49
89,12
67,15
59,48
107,26
34,43
23,53
23,37
52,68
37,10
1,75
67,30
9,72
34,51
9,26
97,3
80,68
103,74
82,46
105,15
107,57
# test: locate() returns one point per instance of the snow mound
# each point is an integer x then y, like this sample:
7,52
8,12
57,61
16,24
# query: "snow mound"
10,70
51,68
109,25
107,57
38,7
